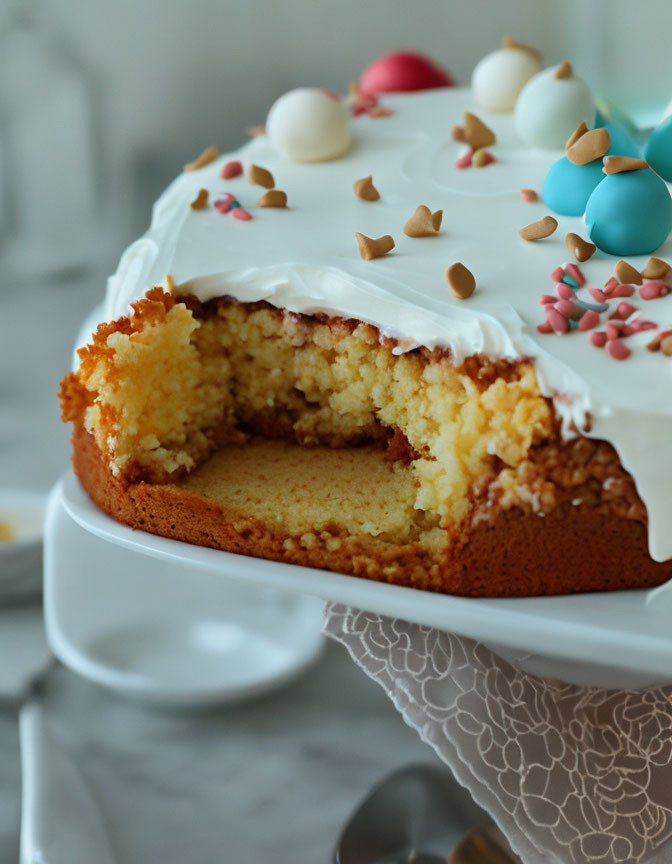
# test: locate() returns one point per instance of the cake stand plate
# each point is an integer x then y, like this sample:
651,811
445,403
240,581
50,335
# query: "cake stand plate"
158,632
610,639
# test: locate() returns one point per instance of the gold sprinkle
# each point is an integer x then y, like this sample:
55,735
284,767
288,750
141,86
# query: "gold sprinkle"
257,176
590,146
6,532
564,70
253,131
540,229
513,45
458,134
365,189
619,164
207,156
580,130
170,284
200,202
529,196
423,223
666,346
460,281
273,198
656,268
581,249
626,273
476,133
370,247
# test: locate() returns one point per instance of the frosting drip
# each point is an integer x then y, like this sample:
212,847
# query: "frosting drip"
305,259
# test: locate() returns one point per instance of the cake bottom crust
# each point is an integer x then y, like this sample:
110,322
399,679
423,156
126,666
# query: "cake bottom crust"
572,549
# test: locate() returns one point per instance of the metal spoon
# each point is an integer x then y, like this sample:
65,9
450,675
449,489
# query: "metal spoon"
417,814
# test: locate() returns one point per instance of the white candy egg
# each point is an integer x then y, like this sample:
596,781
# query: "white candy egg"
500,76
309,125
549,109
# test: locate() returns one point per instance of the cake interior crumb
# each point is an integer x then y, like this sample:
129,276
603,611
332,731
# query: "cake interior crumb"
176,395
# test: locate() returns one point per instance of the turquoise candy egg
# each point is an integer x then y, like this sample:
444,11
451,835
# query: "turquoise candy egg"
629,213
568,187
621,142
659,149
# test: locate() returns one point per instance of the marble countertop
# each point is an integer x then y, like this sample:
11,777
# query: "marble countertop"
272,779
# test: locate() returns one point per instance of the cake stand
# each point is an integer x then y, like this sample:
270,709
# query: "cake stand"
161,632
611,639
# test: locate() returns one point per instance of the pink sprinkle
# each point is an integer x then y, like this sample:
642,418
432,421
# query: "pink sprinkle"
223,205
232,169
488,159
465,160
545,327
565,291
380,111
358,110
545,299
653,290
557,321
568,309
610,284
623,311
589,320
331,95
623,291
240,213
612,331
598,295
576,274
557,274
639,326
529,196
618,350
599,340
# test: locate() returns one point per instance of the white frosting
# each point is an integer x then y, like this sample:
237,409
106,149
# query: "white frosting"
549,109
308,125
500,76
305,259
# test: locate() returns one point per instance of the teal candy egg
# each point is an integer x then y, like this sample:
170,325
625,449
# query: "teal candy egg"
629,213
621,142
659,149
568,187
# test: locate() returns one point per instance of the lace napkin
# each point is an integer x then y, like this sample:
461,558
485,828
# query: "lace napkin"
572,775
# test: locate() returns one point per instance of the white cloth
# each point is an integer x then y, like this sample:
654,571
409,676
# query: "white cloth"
572,775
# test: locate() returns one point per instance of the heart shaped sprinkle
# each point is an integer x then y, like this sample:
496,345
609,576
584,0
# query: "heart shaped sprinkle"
540,229
581,249
460,281
200,202
564,70
370,247
365,189
273,198
580,130
655,269
476,133
207,156
618,164
423,223
626,274
590,146
257,176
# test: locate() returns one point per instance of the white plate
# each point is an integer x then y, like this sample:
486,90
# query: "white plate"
609,639
161,632
21,558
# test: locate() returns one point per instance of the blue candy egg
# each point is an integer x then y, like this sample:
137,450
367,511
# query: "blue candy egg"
659,149
621,142
568,187
629,213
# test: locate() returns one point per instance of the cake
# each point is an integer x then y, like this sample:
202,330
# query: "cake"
363,343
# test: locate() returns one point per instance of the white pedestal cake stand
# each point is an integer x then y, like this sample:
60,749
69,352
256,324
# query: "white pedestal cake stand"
612,639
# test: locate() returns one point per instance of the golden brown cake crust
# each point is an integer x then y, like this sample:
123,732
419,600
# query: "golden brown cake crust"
572,549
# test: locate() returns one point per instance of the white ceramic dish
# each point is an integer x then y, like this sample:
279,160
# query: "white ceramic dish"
21,557
163,633
611,639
